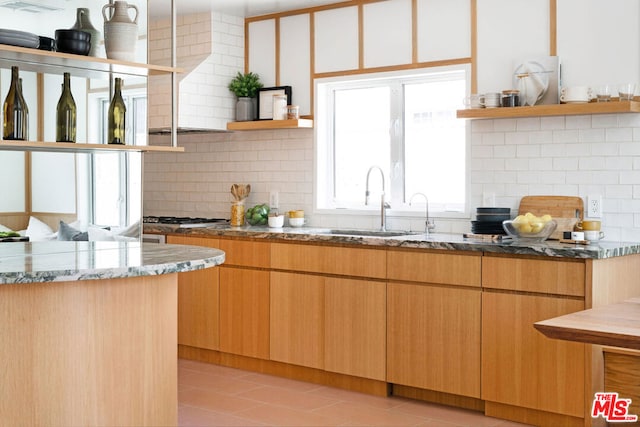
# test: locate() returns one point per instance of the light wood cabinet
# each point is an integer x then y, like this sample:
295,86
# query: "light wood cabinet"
329,323
433,338
355,322
343,261
433,320
244,312
244,298
198,299
246,253
550,276
523,368
297,319
434,267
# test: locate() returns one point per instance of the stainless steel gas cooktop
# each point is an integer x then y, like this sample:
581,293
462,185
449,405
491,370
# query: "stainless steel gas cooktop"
184,222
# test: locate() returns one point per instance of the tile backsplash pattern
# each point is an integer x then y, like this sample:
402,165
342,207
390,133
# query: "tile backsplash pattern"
511,158
198,182
210,48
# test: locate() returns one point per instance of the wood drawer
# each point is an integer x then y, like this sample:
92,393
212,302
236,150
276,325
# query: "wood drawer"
534,275
246,253
329,260
430,267
194,241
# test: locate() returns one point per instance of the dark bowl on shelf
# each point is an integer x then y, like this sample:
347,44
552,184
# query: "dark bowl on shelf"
47,43
73,35
73,41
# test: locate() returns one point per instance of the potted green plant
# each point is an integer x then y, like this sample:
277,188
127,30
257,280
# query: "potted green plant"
245,87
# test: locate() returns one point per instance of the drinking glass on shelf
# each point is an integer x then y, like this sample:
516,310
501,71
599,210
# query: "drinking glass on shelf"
626,91
603,93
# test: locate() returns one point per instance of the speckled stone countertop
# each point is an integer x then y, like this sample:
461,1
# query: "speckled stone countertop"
70,261
601,250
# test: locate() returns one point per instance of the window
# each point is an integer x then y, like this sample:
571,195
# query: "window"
117,177
406,124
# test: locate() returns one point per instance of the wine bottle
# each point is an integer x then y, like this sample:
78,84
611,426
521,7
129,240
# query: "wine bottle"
15,113
117,116
66,113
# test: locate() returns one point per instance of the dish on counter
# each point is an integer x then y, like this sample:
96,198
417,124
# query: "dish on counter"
534,235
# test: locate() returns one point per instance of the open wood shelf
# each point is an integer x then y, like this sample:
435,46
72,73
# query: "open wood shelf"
43,61
271,124
66,147
612,107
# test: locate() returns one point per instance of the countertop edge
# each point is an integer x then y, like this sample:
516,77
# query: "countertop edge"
40,262
437,241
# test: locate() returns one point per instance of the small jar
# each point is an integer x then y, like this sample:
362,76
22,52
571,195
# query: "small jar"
237,214
279,107
511,98
293,112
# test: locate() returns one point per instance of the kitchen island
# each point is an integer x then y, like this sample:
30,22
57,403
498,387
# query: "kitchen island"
89,331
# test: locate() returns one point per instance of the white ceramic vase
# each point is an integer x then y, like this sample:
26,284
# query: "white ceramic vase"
120,32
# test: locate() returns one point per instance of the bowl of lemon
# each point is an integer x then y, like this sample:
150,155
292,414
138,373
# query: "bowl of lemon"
530,228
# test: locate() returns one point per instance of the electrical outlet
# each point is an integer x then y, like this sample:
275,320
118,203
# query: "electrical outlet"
594,206
274,199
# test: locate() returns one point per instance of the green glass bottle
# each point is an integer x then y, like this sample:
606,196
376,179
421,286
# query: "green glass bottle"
15,114
117,116
66,113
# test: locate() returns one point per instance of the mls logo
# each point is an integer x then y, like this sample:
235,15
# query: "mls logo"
612,408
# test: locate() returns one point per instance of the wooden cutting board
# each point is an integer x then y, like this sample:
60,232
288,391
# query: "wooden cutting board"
556,206
565,210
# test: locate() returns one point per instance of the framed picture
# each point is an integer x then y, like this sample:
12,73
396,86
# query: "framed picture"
265,100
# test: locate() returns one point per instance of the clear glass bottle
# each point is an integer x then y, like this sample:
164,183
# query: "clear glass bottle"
117,116
66,113
15,114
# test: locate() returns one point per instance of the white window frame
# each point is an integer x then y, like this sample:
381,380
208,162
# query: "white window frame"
323,129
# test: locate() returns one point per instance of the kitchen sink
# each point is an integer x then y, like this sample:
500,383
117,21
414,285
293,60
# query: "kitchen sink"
368,233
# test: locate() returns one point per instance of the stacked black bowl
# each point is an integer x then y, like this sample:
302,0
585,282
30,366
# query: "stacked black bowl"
489,220
73,41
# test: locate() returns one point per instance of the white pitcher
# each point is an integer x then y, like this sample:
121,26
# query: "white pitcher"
120,32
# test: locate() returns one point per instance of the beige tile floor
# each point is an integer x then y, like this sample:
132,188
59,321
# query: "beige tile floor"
211,395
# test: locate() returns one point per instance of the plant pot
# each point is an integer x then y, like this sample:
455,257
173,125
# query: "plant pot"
244,109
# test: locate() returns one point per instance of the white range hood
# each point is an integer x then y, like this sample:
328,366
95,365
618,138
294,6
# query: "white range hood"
210,48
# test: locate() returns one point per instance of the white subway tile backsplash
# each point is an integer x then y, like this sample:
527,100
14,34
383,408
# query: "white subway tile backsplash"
537,137
504,125
552,123
578,122
591,163
618,134
591,135
516,138
629,148
567,136
528,151
528,124
517,164
565,164
604,121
